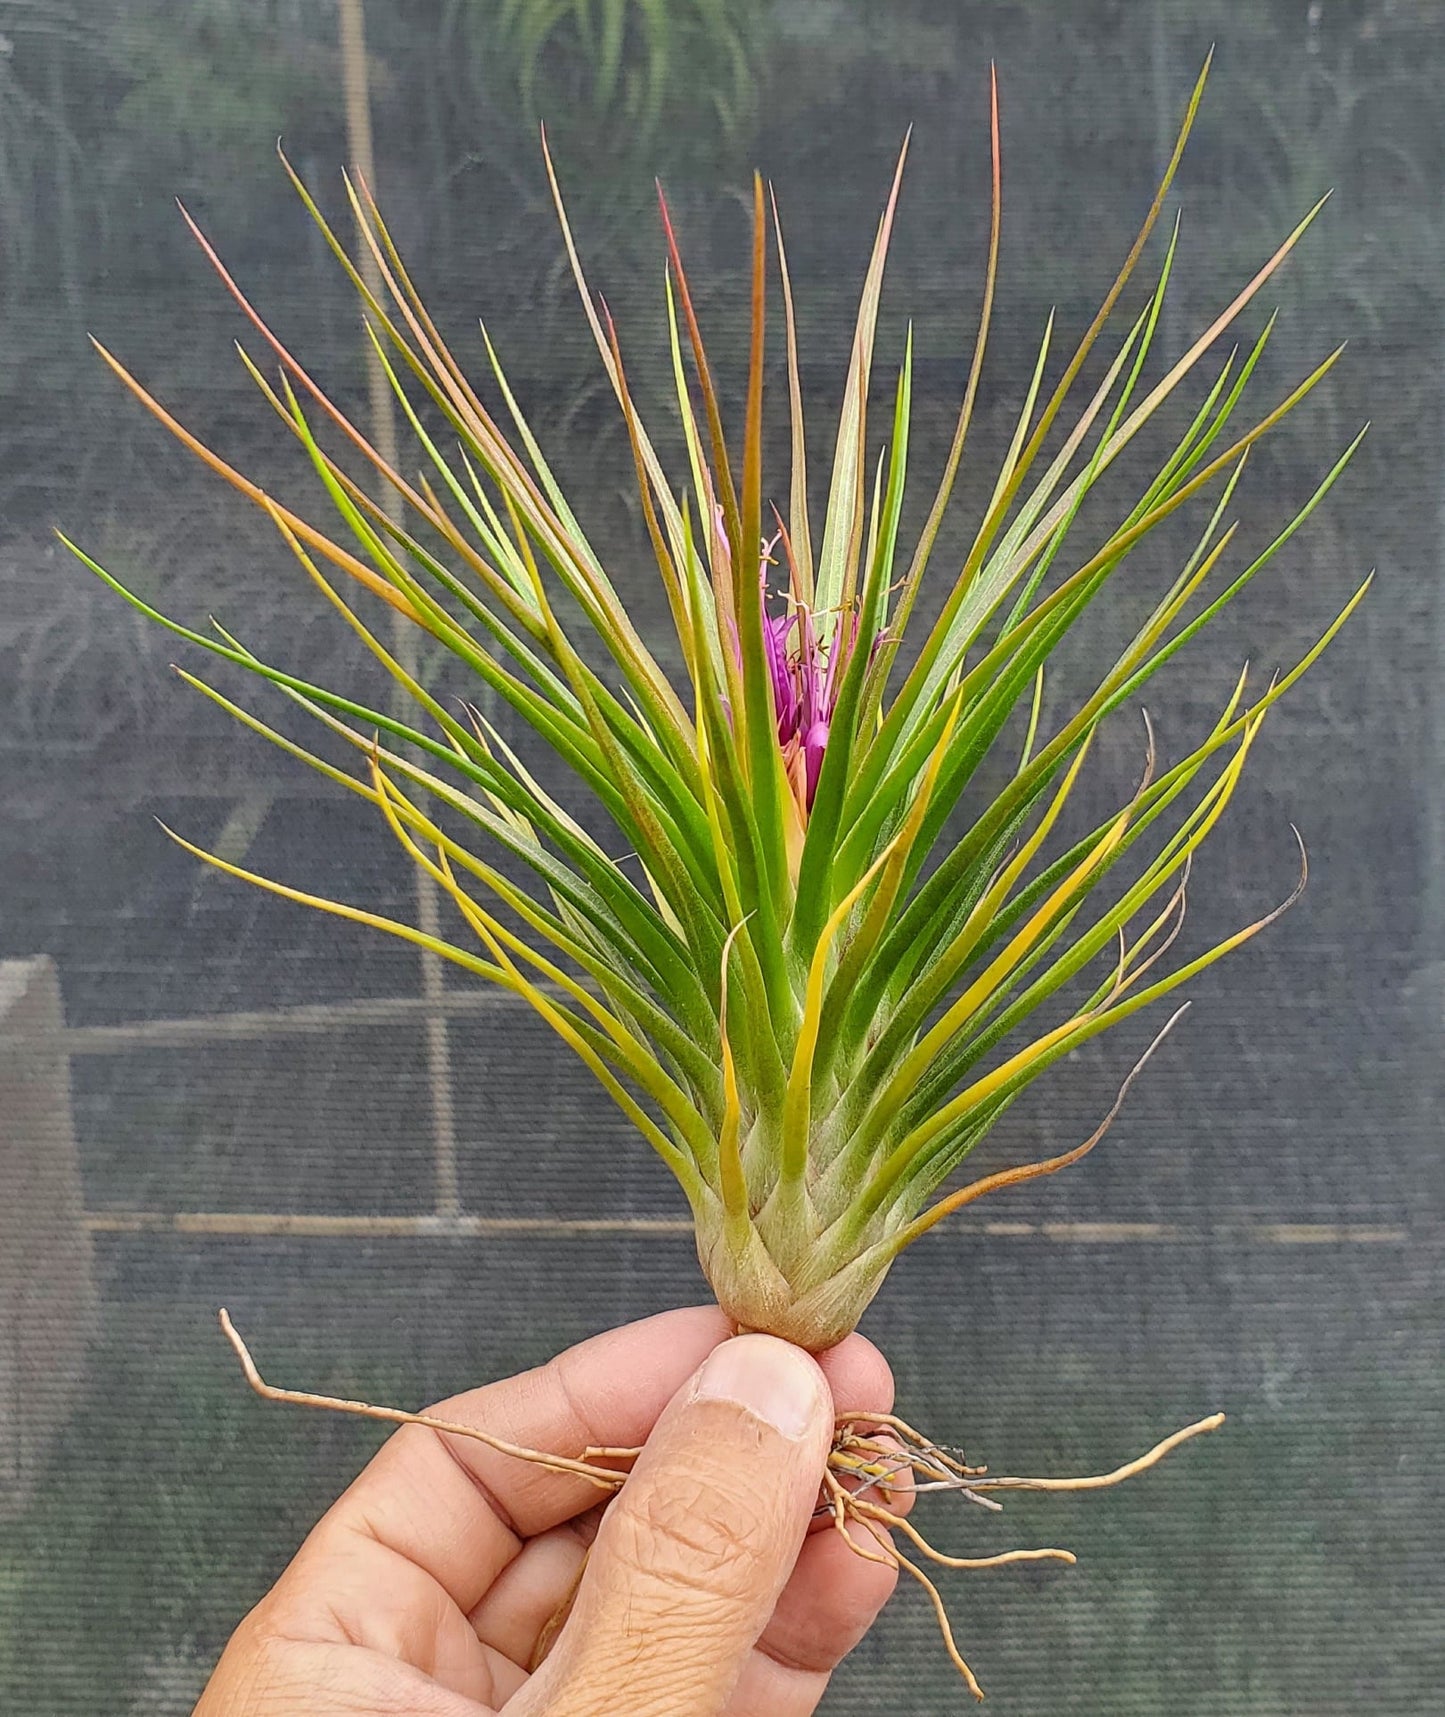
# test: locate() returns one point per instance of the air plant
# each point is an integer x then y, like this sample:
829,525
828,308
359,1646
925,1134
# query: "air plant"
812,1000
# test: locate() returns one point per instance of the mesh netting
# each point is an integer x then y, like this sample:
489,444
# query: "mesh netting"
251,1096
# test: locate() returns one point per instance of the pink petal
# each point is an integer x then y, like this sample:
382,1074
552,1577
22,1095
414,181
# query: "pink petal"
815,742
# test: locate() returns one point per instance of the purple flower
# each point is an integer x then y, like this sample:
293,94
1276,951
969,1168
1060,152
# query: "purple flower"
814,743
804,672
787,700
806,675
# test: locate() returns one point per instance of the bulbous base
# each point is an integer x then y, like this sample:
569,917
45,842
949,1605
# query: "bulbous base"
759,1296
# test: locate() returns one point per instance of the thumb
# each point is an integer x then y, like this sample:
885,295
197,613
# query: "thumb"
690,1559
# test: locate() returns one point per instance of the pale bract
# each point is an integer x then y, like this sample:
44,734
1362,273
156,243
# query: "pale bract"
811,994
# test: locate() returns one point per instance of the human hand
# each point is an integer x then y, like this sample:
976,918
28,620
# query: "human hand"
428,1586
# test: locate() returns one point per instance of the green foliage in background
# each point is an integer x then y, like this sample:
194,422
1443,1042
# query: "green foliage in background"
614,73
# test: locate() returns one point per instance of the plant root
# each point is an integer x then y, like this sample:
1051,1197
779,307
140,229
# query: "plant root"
875,1457
605,1478
891,1455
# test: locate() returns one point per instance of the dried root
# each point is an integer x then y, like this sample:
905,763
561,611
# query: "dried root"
606,1478
874,1458
883,1453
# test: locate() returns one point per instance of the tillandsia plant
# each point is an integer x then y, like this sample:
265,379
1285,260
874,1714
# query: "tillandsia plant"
810,998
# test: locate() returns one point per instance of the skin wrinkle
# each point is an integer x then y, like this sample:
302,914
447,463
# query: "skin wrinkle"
764,1688
397,1687
337,1616
704,1547
787,1665
553,1398
583,1419
394,1632
511,1617
414,1620
267,1672
683,1542
484,1490
554,1393
549,1391
786,1661
357,1527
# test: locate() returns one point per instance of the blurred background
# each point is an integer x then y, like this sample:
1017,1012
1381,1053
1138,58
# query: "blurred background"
209,1096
